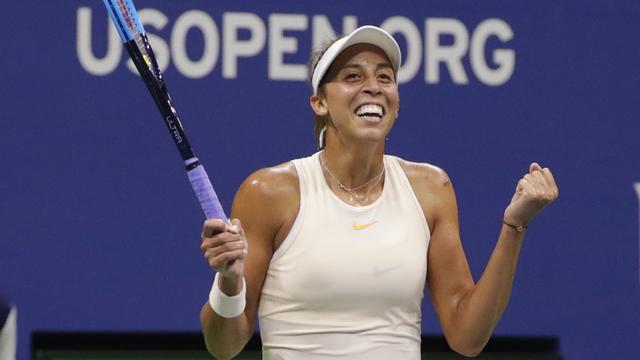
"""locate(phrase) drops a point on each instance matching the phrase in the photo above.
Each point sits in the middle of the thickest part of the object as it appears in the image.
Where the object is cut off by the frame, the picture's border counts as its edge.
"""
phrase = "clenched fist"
(225, 247)
(534, 191)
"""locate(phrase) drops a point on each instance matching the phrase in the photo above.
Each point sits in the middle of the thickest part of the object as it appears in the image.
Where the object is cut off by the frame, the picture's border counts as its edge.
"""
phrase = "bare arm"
(265, 203)
(469, 312)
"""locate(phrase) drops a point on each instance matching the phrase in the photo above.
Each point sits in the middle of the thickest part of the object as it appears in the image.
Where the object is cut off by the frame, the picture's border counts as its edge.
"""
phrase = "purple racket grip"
(204, 191)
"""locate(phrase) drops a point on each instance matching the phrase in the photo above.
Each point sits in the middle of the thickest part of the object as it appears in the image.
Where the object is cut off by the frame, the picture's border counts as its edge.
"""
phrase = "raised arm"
(265, 203)
(469, 312)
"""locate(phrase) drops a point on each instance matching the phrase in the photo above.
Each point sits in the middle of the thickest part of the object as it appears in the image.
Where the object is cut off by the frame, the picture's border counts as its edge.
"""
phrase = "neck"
(353, 164)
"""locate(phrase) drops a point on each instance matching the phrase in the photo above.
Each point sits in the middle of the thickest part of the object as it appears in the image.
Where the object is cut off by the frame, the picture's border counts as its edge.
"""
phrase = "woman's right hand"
(225, 248)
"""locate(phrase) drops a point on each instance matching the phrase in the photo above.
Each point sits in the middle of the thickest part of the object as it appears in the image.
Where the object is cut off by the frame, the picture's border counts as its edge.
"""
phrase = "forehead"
(361, 55)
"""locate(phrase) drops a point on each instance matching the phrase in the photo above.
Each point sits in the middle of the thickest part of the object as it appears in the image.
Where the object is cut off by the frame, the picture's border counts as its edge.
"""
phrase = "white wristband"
(225, 305)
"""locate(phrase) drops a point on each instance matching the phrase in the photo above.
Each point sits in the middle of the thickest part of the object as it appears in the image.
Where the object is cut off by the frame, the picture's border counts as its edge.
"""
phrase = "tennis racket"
(126, 20)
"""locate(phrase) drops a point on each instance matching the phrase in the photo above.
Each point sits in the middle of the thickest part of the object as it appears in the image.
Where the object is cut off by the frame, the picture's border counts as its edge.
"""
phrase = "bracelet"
(518, 228)
(225, 305)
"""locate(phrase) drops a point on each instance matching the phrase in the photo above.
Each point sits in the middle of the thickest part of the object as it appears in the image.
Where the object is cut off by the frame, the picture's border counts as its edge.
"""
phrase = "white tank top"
(347, 282)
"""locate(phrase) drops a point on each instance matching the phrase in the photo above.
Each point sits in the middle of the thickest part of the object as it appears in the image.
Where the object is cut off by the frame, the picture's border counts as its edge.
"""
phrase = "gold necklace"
(351, 190)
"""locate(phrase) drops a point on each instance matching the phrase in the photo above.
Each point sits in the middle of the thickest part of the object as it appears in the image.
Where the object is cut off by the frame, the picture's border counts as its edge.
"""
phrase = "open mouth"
(370, 111)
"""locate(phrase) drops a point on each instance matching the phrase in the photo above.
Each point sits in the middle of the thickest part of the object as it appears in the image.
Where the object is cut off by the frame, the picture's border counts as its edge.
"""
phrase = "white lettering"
(279, 45)
(451, 55)
(174, 129)
(323, 32)
(89, 62)
(443, 46)
(504, 58)
(235, 48)
(195, 69)
(413, 53)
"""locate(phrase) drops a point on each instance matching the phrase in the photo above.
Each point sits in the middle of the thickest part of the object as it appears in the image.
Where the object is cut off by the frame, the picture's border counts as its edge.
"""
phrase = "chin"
(372, 136)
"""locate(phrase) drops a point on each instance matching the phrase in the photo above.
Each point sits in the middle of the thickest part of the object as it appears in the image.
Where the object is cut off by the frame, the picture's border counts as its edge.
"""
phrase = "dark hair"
(320, 121)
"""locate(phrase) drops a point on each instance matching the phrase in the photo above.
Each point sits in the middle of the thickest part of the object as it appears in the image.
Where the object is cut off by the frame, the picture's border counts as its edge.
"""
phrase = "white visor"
(363, 35)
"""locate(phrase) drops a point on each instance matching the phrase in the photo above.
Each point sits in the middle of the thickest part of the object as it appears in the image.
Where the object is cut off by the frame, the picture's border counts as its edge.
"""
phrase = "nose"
(371, 86)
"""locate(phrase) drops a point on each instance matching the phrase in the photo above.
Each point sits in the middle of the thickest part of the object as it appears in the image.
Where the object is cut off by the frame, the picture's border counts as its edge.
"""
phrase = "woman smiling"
(334, 250)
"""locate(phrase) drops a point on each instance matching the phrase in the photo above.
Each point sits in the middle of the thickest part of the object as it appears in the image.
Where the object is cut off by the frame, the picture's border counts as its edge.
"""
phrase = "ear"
(319, 105)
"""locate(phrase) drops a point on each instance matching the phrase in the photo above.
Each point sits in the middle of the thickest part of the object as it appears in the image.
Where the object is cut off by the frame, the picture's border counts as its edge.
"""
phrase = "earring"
(321, 138)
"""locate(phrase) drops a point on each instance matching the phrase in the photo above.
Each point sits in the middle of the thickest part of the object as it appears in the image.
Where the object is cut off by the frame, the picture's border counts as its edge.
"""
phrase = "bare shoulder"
(432, 188)
(270, 186)
(424, 174)
(267, 202)
(271, 181)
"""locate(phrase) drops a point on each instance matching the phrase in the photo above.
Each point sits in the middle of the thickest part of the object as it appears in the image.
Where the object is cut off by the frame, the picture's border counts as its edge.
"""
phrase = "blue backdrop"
(100, 231)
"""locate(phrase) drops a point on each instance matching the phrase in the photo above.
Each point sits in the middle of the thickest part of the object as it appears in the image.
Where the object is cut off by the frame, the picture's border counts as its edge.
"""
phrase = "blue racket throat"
(125, 18)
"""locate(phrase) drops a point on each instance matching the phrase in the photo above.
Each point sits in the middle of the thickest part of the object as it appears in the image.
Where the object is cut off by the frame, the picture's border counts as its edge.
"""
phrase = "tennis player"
(334, 250)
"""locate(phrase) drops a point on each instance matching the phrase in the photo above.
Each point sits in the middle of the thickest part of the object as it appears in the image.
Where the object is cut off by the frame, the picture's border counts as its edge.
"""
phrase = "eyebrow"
(357, 66)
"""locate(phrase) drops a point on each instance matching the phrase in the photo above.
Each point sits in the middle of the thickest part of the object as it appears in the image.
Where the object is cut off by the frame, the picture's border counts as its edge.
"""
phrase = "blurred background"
(99, 230)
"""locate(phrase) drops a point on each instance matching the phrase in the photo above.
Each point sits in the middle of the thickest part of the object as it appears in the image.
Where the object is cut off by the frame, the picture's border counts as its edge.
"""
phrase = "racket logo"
(173, 128)
(147, 60)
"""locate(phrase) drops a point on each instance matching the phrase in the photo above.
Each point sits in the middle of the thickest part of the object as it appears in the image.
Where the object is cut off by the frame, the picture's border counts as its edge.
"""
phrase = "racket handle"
(204, 190)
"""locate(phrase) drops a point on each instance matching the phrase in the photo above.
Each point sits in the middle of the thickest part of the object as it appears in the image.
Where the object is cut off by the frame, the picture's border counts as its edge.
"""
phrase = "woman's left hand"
(534, 192)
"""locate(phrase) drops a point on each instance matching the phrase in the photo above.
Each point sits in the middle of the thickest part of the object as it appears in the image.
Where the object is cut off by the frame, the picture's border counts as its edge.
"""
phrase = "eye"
(385, 77)
(352, 76)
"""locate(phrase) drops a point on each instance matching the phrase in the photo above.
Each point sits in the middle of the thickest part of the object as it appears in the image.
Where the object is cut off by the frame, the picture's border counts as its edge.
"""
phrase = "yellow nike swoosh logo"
(363, 226)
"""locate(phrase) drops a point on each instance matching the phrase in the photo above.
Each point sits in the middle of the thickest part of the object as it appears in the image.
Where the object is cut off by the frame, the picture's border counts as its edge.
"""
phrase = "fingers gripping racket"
(126, 20)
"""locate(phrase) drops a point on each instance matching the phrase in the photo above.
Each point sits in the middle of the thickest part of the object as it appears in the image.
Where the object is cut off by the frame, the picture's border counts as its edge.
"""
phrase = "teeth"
(369, 109)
